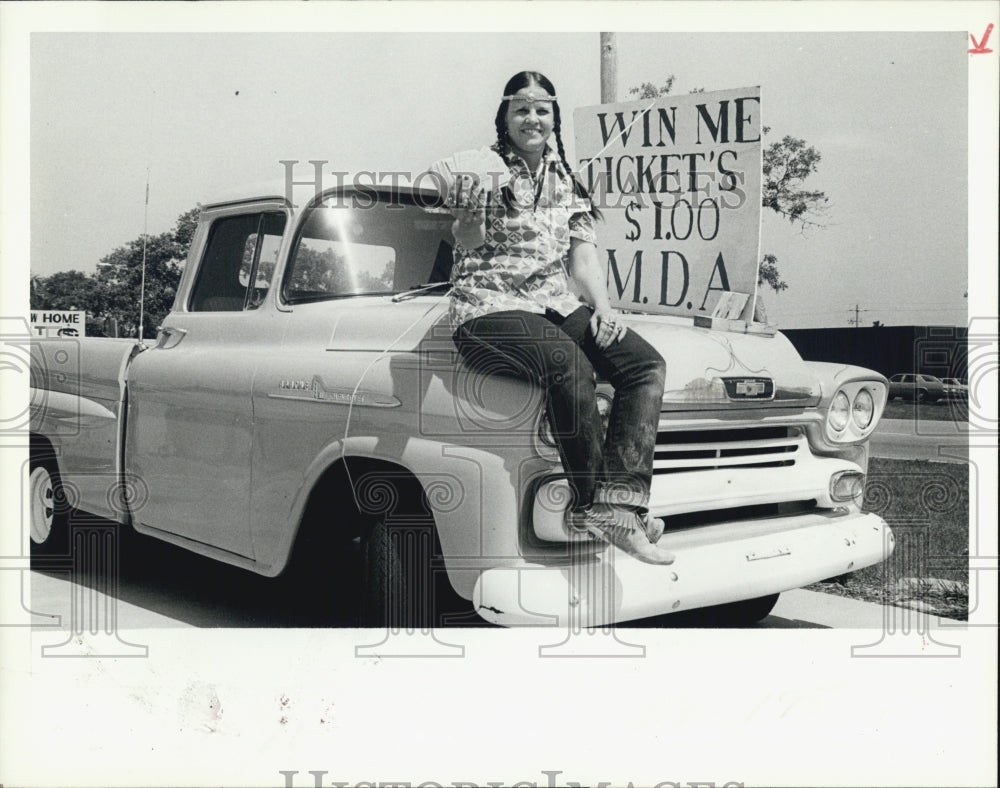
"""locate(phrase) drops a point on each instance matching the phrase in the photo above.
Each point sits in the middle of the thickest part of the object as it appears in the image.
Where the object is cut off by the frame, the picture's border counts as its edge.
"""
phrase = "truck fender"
(451, 479)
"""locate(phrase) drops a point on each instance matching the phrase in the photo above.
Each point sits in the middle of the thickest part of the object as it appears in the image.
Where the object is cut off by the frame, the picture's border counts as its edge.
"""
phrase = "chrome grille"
(706, 450)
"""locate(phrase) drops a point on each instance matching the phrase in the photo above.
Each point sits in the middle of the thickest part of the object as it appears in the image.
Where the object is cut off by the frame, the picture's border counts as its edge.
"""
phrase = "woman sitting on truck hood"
(521, 226)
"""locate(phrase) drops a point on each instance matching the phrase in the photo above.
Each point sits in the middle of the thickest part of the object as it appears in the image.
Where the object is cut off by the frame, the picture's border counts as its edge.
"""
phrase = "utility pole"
(856, 320)
(609, 69)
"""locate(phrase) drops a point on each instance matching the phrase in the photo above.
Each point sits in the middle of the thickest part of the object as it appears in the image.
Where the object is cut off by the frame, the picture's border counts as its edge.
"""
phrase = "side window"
(238, 264)
(260, 256)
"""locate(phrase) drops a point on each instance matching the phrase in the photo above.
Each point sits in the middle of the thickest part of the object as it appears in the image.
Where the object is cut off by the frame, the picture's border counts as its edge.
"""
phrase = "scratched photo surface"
(258, 495)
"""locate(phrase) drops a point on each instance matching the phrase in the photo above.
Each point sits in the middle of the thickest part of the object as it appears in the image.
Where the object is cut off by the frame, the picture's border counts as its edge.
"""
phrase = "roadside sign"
(678, 180)
(58, 323)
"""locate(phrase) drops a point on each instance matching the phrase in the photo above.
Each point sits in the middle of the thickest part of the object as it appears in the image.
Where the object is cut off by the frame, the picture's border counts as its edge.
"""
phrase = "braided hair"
(524, 79)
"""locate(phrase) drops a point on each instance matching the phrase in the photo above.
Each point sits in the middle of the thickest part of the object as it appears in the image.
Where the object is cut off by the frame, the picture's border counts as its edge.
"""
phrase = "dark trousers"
(561, 355)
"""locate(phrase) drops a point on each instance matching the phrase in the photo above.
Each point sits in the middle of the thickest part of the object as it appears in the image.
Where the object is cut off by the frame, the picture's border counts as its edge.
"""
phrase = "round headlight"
(840, 411)
(863, 409)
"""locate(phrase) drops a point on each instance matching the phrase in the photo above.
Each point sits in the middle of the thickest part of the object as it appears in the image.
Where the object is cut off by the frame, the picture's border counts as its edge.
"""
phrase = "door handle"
(169, 336)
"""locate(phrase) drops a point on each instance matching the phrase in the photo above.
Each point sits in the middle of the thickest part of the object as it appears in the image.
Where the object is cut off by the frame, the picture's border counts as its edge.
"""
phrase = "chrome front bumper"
(714, 565)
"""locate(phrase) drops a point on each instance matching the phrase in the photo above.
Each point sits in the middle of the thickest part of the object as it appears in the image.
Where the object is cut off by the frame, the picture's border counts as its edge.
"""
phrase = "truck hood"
(726, 369)
(706, 368)
(378, 324)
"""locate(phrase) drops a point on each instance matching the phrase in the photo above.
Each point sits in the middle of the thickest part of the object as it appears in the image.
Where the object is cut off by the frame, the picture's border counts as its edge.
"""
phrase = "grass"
(927, 506)
(942, 410)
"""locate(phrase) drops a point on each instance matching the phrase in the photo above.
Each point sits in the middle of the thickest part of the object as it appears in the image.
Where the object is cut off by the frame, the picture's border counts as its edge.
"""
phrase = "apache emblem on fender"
(749, 388)
(317, 391)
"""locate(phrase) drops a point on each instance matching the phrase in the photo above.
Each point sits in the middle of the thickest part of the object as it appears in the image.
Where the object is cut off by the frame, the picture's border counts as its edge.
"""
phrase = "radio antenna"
(145, 233)
(145, 226)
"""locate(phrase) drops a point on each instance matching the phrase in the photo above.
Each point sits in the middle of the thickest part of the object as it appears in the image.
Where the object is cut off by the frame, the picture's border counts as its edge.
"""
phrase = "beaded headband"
(529, 97)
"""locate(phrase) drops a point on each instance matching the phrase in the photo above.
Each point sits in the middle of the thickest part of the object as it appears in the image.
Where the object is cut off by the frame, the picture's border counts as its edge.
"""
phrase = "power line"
(924, 309)
(881, 309)
(891, 304)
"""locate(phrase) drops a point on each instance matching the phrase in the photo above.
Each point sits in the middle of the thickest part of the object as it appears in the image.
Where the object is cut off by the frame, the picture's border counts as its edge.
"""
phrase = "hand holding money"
(466, 181)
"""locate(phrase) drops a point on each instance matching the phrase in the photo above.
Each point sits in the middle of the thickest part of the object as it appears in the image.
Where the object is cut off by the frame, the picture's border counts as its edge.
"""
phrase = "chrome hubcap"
(42, 505)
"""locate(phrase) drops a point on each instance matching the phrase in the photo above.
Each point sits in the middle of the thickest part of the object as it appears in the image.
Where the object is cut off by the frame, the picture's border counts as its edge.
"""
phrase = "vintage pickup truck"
(303, 410)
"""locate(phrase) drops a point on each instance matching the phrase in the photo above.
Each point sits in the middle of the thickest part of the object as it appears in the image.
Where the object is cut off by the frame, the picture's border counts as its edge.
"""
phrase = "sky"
(208, 111)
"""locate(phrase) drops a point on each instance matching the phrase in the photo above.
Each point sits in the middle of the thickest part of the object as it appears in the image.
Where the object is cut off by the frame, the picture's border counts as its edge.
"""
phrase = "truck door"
(190, 411)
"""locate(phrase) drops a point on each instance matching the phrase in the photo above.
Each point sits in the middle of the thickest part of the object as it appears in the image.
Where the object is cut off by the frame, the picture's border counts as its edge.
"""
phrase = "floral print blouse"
(523, 262)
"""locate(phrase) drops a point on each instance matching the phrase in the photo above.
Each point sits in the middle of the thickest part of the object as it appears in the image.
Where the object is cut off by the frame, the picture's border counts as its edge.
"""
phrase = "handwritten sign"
(678, 180)
(58, 323)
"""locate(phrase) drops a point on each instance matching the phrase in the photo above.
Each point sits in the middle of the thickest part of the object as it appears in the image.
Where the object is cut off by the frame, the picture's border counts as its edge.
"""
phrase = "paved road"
(161, 587)
(907, 439)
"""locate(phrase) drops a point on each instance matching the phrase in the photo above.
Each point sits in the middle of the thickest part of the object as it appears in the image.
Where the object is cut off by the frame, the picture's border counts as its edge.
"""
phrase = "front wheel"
(404, 584)
(742, 613)
(389, 589)
(379, 572)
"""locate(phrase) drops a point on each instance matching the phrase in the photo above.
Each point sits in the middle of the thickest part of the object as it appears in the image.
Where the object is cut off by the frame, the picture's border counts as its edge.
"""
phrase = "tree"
(63, 290)
(185, 226)
(37, 294)
(785, 165)
(378, 284)
(69, 290)
(647, 90)
(767, 274)
(320, 271)
(114, 291)
(119, 283)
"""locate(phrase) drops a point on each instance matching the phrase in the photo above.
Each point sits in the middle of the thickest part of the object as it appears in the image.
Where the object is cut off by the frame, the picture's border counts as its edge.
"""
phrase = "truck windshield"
(367, 245)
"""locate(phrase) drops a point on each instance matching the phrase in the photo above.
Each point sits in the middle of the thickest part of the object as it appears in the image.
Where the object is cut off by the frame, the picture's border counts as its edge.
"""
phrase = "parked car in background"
(955, 389)
(919, 388)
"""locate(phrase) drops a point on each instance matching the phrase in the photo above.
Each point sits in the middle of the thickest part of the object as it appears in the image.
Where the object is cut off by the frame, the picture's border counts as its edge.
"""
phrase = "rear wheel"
(48, 508)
